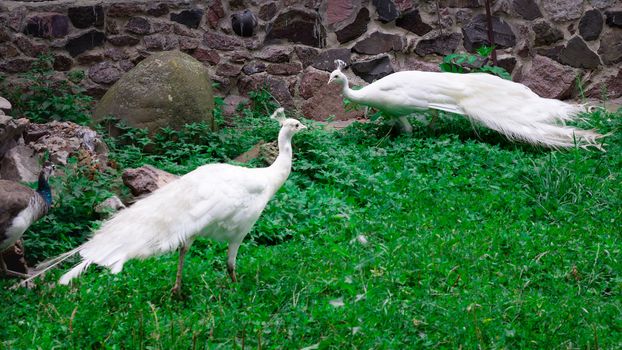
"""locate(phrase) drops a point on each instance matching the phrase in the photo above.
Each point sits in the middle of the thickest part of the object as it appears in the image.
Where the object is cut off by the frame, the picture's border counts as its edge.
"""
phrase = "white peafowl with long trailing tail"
(219, 201)
(509, 108)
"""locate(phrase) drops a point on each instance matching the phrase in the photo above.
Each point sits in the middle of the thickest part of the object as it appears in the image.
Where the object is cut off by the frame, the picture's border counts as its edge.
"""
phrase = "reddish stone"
(215, 12)
(326, 102)
(7, 51)
(90, 58)
(548, 78)
(311, 82)
(228, 70)
(240, 57)
(186, 43)
(326, 60)
(123, 40)
(160, 42)
(62, 63)
(221, 41)
(28, 47)
(116, 54)
(340, 10)
(17, 65)
(210, 56)
(414, 63)
(47, 25)
(379, 42)
(275, 54)
(268, 11)
(276, 86)
(124, 9)
(284, 68)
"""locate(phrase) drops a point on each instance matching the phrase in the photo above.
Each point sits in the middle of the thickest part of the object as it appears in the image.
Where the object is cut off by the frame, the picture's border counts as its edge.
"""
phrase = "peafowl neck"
(43, 189)
(352, 95)
(283, 163)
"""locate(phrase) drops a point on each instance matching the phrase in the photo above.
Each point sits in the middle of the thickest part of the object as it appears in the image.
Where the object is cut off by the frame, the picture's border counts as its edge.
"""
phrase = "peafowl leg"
(405, 125)
(7, 272)
(180, 266)
(232, 253)
(434, 118)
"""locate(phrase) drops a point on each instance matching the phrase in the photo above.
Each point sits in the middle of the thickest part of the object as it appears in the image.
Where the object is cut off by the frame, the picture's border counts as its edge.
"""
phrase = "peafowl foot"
(176, 290)
(231, 271)
(9, 273)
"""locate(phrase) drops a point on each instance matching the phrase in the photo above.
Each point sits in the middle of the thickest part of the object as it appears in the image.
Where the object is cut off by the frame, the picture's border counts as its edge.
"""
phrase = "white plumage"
(219, 201)
(502, 105)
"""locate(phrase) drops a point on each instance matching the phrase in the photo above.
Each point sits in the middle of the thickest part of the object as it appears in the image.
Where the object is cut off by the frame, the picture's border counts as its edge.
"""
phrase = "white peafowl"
(20, 207)
(220, 201)
(502, 105)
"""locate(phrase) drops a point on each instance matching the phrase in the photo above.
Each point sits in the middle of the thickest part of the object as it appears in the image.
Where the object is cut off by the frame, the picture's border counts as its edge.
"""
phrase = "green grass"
(473, 242)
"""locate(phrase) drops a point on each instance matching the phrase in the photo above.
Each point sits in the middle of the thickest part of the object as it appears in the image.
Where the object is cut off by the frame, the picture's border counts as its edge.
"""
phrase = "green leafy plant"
(469, 63)
(40, 97)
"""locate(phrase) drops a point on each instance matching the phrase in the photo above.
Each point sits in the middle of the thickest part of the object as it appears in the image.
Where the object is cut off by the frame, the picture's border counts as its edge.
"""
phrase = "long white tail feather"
(517, 112)
(49, 264)
(74, 272)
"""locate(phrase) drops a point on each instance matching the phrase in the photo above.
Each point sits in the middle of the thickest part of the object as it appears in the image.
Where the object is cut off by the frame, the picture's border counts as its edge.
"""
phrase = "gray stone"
(577, 54)
(563, 10)
(64, 139)
(123, 40)
(374, 69)
(461, 3)
(232, 103)
(602, 4)
(298, 26)
(306, 55)
(545, 33)
(104, 73)
(528, 9)
(440, 44)
(548, 78)
(157, 10)
(614, 18)
(161, 42)
(275, 54)
(20, 164)
(412, 22)
(188, 44)
(591, 25)
(476, 33)
(240, 57)
(507, 62)
(254, 68)
(10, 131)
(326, 60)
(611, 47)
(138, 25)
(354, 29)
(17, 65)
(284, 68)
(109, 205)
(167, 89)
(607, 87)
(116, 54)
(552, 52)
(464, 16)
(125, 9)
(386, 9)
(379, 42)
(146, 179)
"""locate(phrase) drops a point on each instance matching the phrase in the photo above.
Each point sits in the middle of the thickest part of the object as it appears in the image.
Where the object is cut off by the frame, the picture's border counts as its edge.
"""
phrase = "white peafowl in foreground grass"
(502, 105)
(219, 201)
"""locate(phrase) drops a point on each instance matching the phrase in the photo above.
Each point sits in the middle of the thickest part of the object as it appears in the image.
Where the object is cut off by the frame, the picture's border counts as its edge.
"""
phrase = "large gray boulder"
(167, 89)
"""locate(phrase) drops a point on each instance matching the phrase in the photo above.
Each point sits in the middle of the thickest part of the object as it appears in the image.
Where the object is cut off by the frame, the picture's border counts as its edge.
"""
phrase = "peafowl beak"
(330, 80)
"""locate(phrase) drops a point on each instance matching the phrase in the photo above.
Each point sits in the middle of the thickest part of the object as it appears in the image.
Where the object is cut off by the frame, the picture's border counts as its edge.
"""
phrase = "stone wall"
(290, 45)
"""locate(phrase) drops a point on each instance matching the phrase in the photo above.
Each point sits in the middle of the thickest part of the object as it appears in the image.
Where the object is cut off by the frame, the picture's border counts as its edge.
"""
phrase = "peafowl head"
(289, 125)
(337, 75)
